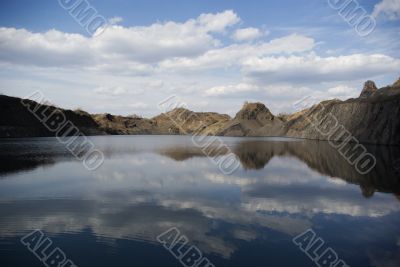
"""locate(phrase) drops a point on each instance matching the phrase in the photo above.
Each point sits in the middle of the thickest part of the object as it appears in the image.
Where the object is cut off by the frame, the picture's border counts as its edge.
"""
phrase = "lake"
(149, 184)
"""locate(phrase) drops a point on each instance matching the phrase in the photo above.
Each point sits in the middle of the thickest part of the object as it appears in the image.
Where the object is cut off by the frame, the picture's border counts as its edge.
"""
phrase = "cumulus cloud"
(144, 44)
(314, 69)
(192, 58)
(247, 34)
(153, 43)
(388, 8)
(218, 22)
(235, 54)
(52, 48)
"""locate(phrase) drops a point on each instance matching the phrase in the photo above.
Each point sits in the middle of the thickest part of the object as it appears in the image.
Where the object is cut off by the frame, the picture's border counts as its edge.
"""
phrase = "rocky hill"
(17, 121)
(254, 119)
(371, 118)
(183, 121)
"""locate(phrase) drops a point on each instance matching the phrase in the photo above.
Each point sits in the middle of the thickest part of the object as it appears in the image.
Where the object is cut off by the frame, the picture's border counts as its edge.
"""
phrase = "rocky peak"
(369, 89)
(254, 111)
(397, 84)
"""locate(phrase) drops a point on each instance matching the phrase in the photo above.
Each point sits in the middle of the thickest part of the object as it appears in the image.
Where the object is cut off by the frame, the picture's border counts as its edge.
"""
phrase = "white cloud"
(389, 8)
(218, 22)
(193, 59)
(144, 44)
(247, 34)
(52, 48)
(153, 43)
(235, 54)
(231, 89)
(314, 69)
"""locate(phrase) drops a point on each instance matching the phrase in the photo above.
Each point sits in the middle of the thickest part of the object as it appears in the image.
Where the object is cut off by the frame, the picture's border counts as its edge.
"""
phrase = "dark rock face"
(370, 119)
(369, 89)
(17, 121)
(373, 120)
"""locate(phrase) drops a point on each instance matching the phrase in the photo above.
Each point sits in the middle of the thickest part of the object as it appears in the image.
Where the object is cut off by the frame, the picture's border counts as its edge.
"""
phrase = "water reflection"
(148, 184)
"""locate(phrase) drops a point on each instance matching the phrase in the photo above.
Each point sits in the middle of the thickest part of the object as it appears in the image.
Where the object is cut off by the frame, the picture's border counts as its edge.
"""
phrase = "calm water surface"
(148, 184)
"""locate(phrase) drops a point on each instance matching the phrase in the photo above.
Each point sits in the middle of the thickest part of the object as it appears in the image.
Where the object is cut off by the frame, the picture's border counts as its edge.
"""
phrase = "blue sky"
(214, 55)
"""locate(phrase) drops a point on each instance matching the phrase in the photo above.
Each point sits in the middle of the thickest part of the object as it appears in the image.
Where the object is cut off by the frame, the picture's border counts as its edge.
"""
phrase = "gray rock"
(369, 89)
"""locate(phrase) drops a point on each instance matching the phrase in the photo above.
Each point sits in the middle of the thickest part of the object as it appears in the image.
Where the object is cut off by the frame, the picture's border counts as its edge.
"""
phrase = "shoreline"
(180, 135)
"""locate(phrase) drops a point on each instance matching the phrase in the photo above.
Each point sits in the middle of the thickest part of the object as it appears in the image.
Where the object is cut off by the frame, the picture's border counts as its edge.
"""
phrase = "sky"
(212, 55)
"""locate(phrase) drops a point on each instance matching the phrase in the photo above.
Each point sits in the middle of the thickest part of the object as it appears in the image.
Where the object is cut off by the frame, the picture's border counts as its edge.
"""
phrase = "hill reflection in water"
(148, 184)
